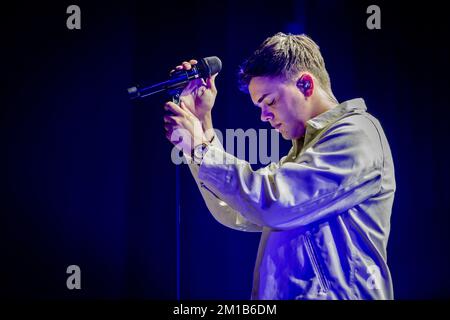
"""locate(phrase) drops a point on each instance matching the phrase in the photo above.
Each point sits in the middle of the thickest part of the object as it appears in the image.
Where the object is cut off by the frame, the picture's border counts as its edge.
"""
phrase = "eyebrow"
(261, 99)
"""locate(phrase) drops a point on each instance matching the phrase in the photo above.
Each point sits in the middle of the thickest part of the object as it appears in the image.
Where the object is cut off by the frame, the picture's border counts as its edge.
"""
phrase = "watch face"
(200, 150)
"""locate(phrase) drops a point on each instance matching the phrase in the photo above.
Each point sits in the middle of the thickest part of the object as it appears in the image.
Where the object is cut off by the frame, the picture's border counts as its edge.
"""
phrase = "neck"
(323, 104)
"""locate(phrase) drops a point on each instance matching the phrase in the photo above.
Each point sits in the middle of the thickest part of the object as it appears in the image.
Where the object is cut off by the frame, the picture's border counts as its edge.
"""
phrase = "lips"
(277, 126)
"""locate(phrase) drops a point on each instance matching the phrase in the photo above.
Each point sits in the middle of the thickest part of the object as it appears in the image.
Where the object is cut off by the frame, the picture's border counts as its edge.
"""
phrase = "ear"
(306, 84)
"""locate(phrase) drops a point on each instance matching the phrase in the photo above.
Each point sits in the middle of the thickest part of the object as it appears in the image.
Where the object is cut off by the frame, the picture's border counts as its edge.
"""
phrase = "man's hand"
(182, 127)
(199, 96)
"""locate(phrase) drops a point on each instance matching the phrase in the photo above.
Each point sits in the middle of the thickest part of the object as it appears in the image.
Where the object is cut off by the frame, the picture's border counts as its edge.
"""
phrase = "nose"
(266, 115)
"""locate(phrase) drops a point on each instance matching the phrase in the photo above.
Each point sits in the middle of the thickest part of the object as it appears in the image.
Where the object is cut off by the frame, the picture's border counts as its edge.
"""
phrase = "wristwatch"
(199, 152)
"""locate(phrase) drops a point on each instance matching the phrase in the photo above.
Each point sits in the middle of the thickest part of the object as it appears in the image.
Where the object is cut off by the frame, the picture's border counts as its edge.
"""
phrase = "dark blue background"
(87, 177)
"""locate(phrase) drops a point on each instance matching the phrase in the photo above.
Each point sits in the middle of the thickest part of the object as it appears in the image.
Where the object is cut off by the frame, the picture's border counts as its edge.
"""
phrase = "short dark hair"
(285, 55)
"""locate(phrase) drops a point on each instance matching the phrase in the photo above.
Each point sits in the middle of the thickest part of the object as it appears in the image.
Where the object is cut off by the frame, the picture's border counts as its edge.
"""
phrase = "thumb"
(211, 82)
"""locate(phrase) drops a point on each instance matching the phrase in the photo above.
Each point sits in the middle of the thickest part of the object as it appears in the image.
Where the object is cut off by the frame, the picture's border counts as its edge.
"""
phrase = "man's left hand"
(182, 127)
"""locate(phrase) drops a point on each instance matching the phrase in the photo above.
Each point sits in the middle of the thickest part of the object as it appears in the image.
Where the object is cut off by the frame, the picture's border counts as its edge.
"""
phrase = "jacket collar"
(330, 116)
(314, 125)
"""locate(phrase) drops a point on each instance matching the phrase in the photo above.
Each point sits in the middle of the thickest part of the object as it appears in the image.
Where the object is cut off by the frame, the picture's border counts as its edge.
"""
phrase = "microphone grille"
(210, 66)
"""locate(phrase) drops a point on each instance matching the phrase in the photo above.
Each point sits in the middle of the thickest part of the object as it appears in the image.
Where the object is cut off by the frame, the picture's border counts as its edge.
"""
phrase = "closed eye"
(271, 103)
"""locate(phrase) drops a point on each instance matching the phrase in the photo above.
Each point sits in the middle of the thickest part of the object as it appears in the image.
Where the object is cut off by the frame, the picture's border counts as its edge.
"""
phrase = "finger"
(174, 140)
(168, 136)
(211, 82)
(167, 119)
(193, 61)
(192, 86)
(185, 108)
(170, 127)
(186, 65)
(172, 120)
(201, 90)
(174, 108)
(170, 130)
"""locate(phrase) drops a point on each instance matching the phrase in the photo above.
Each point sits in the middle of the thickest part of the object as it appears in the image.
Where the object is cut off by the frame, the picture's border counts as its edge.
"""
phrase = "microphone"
(205, 68)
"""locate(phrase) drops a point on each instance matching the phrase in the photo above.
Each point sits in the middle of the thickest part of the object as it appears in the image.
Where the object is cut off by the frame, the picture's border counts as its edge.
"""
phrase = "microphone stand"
(176, 95)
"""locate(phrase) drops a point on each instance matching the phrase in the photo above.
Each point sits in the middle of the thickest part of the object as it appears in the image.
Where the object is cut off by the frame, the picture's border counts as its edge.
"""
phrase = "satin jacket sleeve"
(219, 209)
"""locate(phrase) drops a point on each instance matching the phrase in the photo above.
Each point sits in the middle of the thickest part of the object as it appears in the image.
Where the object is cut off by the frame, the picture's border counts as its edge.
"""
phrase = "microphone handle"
(178, 80)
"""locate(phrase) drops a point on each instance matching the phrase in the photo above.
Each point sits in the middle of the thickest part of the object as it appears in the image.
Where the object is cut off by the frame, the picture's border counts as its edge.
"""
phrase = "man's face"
(282, 104)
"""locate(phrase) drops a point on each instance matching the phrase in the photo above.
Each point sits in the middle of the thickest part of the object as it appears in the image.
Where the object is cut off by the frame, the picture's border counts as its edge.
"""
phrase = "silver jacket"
(323, 210)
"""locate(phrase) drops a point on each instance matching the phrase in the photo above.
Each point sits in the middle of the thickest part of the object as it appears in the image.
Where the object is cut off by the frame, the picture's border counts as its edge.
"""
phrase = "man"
(324, 209)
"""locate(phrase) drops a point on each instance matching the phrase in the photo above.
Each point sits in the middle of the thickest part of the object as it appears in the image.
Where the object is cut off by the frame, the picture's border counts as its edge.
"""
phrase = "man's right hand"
(199, 95)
